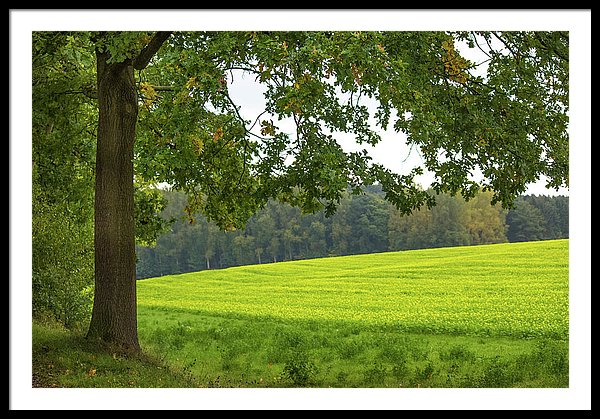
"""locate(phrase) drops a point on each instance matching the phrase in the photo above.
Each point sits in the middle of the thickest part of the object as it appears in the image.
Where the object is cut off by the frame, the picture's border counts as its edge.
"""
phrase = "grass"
(64, 358)
(480, 316)
(237, 351)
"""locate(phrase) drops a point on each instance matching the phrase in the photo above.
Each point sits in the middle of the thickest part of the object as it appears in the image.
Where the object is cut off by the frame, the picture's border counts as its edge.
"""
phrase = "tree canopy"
(509, 123)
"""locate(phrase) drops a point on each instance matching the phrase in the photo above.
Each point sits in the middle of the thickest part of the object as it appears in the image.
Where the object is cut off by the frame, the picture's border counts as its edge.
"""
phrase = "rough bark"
(114, 315)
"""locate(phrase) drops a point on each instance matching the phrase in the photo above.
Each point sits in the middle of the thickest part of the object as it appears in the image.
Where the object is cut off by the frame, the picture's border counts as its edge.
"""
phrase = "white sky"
(23, 22)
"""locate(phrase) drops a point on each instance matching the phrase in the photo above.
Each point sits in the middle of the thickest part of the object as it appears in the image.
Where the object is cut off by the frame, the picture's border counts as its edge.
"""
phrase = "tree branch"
(256, 120)
(163, 88)
(146, 54)
(505, 44)
(90, 93)
(479, 46)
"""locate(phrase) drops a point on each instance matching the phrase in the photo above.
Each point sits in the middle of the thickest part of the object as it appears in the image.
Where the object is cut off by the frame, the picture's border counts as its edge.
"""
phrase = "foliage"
(525, 222)
(537, 218)
(149, 203)
(61, 286)
(62, 180)
(299, 370)
(452, 222)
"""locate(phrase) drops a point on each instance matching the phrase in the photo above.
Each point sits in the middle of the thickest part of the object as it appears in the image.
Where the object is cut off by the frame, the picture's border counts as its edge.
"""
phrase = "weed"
(349, 348)
(283, 343)
(341, 378)
(496, 374)
(395, 354)
(188, 368)
(457, 353)
(400, 370)
(553, 356)
(299, 370)
(418, 352)
(424, 374)
(290, 339)
(452, 375)
(375, 376)
(228, 352)
(62, 358)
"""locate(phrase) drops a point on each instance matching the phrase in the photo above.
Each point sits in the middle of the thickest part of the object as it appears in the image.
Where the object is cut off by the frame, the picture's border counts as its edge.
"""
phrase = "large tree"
(165, 115)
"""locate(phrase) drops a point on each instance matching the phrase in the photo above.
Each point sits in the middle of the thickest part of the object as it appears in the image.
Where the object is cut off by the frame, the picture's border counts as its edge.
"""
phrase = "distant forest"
(362, 224)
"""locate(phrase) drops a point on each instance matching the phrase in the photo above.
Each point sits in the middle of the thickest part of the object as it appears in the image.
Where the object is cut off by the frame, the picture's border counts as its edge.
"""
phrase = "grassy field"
(478, 316)
(64, 358)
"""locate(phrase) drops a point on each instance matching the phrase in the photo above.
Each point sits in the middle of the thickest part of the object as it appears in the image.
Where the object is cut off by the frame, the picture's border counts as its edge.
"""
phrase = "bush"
(62, 263)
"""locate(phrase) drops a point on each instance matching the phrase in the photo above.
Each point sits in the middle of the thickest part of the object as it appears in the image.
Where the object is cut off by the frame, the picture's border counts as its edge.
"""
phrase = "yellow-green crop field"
(518, 289)
(518, 292)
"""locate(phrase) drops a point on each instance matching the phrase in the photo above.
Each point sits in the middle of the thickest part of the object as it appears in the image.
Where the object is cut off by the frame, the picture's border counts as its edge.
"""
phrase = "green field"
(477, 316)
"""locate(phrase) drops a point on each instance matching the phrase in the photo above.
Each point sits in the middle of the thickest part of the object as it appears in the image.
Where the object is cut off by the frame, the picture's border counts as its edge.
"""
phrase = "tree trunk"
(114, 315)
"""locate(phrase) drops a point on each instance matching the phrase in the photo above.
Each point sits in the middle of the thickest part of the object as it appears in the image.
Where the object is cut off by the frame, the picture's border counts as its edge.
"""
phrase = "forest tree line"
(363, 223)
